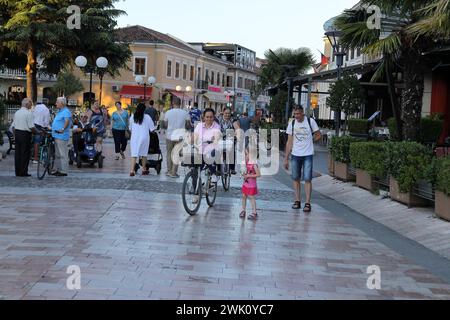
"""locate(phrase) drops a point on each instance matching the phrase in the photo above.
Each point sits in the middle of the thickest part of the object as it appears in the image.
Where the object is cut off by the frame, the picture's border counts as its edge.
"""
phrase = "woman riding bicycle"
(230, 129)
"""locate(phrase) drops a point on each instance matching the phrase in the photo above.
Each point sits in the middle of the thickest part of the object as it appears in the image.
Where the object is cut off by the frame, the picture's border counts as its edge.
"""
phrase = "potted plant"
(369, 160)
(442, 207)
(340, 151)
(406, 163)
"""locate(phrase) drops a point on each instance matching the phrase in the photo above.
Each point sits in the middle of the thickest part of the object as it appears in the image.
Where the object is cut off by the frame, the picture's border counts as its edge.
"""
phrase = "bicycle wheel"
(226, 178)
(42, 166)
(192, 192)
(211, 191)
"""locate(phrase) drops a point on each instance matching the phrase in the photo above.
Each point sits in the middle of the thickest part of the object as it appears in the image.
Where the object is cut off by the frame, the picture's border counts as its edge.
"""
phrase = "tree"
(277, 105)
(346, 95)
(67, 84)
(38, 29)
(401, 43)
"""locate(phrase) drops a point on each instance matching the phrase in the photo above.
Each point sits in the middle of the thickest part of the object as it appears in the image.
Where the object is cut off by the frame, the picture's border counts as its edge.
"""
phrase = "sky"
(258, 25)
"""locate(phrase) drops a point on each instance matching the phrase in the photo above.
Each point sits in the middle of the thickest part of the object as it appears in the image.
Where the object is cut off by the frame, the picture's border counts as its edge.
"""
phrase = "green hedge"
(407, 162)
(340, 148)
(358, 126)
(430, 129)
(370, 157)
(443, 175)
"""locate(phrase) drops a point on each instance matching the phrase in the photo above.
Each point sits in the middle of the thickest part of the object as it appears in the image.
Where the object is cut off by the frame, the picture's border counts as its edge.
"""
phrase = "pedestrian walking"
(23, 127)
(152, 112)
(196, 116)
(230, 131)
(249, 187)
(303, 132)
(61, 133)
(140, 125)
(120, 120)
(245, 122)
(176, 121)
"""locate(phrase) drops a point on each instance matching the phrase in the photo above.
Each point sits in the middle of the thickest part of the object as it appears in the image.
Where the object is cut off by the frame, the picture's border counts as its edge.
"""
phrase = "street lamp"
(180, 89)
(100, 68)
(150, 82)
(334, 36)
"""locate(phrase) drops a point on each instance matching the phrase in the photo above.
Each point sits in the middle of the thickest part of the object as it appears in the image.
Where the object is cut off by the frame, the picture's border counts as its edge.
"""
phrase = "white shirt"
(41, 115)
(303, 137)
(176, 120)
(23, 120)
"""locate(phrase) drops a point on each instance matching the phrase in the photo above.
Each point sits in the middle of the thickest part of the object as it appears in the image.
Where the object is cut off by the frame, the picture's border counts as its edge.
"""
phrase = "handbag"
(127, 131)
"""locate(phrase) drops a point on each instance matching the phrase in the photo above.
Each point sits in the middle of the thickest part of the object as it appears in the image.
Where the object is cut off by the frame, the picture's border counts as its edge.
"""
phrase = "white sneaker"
(35, 162)
(117, 157)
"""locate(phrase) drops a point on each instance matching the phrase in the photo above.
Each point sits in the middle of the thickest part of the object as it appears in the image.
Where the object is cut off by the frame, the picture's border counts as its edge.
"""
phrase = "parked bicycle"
(46, 155)
(194, 188)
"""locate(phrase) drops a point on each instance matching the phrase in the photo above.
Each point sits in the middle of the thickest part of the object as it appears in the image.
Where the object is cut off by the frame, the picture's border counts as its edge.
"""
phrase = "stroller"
(153, 150)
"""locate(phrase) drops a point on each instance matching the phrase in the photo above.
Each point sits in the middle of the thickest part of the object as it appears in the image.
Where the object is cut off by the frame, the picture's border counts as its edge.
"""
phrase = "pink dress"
(249, 188)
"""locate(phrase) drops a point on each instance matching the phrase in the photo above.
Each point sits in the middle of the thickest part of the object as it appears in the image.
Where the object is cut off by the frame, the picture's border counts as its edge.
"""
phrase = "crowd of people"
(206, 130)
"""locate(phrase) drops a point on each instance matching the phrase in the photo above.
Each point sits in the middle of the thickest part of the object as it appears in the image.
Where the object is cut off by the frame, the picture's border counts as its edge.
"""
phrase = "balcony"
(19, 74)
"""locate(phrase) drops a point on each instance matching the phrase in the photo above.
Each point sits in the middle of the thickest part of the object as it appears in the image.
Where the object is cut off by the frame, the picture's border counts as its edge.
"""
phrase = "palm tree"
(397, 47)
(436, 21)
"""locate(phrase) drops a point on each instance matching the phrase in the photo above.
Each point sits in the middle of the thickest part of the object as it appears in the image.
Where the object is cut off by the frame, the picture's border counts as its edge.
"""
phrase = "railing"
(9, 114)
(425, 190)
(20, 74)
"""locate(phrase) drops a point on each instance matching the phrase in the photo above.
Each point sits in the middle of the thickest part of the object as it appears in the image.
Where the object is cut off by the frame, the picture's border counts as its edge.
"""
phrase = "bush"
(370, 157)
(407, 162)
(430, 129)
(443, 175)
(358, 126)
(340, 148)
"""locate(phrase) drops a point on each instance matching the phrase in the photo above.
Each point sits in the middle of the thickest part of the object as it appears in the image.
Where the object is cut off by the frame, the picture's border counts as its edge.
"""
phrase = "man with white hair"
(23, 126)
(61, 133)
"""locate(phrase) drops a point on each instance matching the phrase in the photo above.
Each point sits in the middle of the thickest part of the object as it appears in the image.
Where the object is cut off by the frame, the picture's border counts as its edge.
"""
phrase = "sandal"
(297, 205)
(132, 174)
(243, 214)
(253, 216)
(307, 208)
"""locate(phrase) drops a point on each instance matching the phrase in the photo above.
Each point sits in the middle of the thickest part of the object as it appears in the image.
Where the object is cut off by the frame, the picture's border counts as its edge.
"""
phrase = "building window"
(199, 73)
(223, 80)
(218, 79)
(230, 81)
(207, 75)
(212, 77)
(191, 74)
(353, 54)
(169, 68)
(240, 82)
(177, 70)
(185, 71)
(139, 66)
(358, 52)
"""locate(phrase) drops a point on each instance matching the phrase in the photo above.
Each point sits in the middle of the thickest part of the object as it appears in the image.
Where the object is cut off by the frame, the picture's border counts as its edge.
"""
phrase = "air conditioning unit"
(115, 88)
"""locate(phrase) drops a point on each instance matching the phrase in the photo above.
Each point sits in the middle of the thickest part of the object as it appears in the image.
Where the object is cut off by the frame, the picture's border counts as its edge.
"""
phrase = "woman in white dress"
(140, 125)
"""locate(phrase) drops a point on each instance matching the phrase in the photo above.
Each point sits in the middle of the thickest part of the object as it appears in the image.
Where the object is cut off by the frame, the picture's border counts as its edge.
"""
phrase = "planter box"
(330, 164)
(442, 208)
(365, 180)
(342, 173)
(406, 198)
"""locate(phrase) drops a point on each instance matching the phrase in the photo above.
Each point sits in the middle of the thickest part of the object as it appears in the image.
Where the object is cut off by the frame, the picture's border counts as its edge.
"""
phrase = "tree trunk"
(412, 96)
(31, 72)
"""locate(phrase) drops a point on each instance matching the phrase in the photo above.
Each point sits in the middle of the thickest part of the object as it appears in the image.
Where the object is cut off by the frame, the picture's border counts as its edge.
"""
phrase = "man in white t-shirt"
(176, 121)
(303, 132)
(41, 117)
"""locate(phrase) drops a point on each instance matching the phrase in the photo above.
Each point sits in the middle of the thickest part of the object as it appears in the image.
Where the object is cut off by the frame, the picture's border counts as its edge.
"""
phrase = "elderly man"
(61, 133)
(23, 126)
(41, 116)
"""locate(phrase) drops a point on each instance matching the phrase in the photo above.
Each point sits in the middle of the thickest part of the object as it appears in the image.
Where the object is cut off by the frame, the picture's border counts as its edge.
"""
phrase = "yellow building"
(200, 77)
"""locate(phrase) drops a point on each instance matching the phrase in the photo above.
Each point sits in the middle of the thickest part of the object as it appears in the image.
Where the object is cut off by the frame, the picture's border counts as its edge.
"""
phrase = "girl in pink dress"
(250, 188)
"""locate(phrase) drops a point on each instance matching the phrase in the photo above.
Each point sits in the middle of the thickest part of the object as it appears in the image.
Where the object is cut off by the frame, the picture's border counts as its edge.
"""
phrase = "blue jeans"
(302, 168)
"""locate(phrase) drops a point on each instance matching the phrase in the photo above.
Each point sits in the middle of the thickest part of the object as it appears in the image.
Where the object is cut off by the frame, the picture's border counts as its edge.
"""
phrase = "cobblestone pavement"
(132, 240)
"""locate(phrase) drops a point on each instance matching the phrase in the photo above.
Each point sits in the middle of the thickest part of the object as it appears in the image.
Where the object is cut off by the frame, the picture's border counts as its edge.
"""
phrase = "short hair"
(152, 102)
(209, 110)
(298, 107)
(195, 104)
(25, 102)
(63, 100)
(118, 103)
(245, 114)
(227, 109)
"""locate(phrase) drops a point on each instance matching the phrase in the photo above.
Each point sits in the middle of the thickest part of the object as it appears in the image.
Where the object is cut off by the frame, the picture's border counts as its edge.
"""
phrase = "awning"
(216, 97)
(135, 92)
(179, 95)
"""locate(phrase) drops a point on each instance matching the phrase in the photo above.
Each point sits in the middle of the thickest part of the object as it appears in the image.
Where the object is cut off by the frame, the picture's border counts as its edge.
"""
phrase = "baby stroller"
(153, 150)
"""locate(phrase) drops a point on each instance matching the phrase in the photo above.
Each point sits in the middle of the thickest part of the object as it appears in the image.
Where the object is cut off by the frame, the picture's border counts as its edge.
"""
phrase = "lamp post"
(334, 37)
(180, 89)
(149, 83)
(100, 67)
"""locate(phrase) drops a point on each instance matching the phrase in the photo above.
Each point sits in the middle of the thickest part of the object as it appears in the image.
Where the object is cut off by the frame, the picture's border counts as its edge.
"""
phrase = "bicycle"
(227, 147)
(46, 155)
(194, 189)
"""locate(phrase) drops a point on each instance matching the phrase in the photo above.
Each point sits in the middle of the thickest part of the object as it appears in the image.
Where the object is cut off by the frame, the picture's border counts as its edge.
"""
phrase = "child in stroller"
(154, 158)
